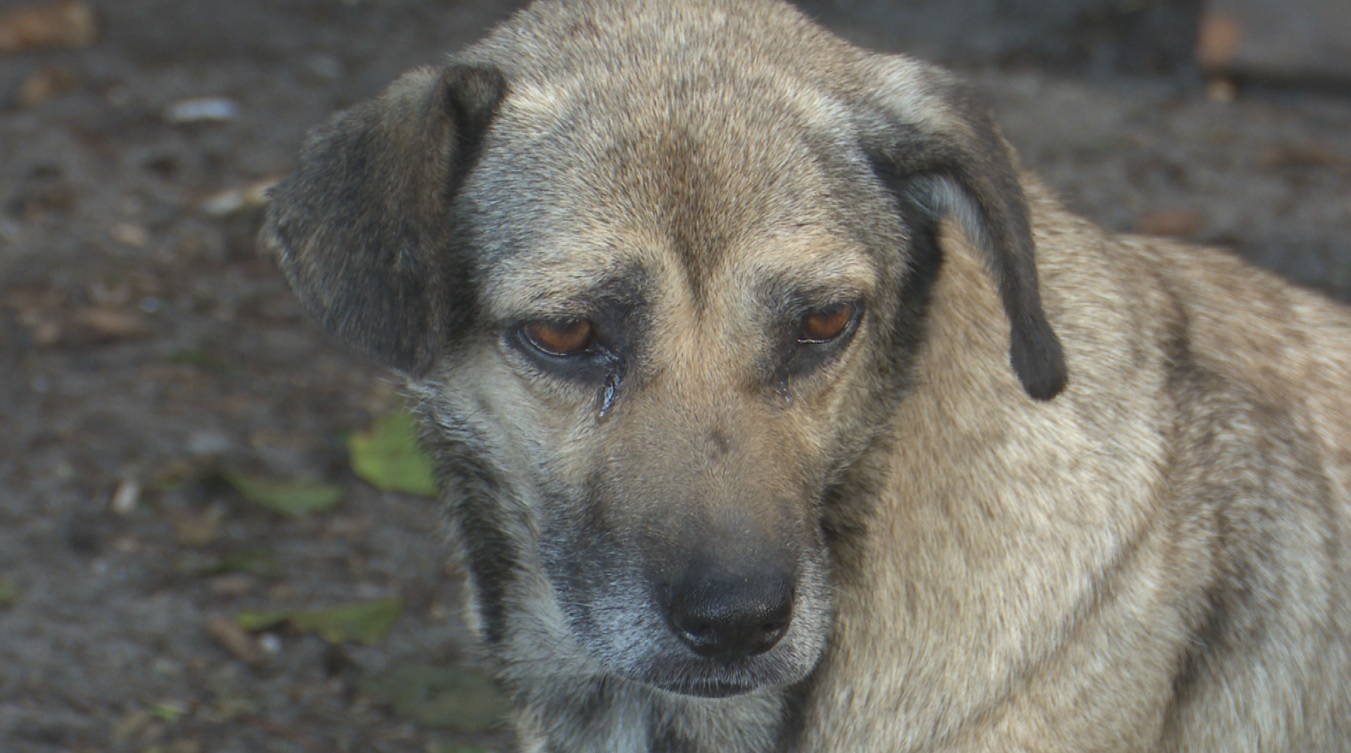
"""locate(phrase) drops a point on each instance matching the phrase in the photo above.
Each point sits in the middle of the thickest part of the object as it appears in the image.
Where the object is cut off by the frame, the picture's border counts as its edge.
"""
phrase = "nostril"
(731, 621)
(700, 636)
(774, 631)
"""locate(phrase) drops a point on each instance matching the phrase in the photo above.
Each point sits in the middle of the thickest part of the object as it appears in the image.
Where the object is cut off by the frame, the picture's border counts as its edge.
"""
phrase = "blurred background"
(212, 533)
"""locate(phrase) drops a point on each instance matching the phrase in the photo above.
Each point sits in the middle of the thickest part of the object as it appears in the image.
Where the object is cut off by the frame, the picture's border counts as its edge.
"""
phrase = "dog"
(778, 409)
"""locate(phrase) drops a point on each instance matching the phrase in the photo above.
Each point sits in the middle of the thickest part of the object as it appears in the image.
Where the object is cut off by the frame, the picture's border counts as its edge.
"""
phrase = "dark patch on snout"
(719, 444)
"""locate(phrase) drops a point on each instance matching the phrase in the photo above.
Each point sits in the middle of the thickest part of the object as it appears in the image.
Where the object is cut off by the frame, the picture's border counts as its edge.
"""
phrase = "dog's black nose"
(729, 617)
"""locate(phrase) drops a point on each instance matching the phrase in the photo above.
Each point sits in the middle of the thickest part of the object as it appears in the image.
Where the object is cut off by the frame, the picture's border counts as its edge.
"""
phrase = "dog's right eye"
(827, 325)
(573, 337)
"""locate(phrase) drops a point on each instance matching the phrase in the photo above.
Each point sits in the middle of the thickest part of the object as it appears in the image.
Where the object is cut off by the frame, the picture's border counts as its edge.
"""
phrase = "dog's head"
(659, 271)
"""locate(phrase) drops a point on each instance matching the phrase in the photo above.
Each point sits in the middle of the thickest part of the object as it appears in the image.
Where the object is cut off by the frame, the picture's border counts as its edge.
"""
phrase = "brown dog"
(748, 392)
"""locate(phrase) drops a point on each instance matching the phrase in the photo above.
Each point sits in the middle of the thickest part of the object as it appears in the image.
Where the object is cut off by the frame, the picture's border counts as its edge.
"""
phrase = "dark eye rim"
(855, 309)
(588, 366)
(803, 358)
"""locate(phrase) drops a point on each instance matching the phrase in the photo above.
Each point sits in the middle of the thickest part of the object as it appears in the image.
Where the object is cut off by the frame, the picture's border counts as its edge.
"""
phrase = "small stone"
(126, 497)
(236, 200)
(324, 67)
(269, 643)
(207, 442)
(1221, 90)
(202, 110)
(131, 234)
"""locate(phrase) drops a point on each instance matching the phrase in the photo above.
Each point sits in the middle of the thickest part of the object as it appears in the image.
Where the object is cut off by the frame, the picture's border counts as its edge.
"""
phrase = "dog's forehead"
(685, 179)
(680, 214)
(641, 263)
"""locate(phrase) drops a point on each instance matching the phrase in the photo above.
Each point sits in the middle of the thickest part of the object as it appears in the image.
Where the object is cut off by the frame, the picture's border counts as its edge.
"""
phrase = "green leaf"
(169, 712)
(9, 592)
(289, 498)
(363, 623)
(454, 698)
(198, 358)
(261, 564)
(388, 456)
(254, 621)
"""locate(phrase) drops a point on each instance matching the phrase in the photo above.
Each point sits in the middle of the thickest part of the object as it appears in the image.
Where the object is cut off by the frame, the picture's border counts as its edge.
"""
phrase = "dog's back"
(1261, 375)
(1155, 560)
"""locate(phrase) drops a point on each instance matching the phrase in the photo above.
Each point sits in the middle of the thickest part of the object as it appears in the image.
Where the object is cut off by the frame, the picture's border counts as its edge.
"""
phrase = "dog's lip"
(709, 688)
(694, 677)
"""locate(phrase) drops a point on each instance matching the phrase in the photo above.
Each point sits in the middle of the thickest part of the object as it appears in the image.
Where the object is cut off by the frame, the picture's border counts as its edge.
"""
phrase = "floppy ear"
(938, 148)
(362, 228)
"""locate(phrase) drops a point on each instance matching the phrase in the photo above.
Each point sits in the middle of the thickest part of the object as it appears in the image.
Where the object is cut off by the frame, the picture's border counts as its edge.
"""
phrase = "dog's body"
(711, 317)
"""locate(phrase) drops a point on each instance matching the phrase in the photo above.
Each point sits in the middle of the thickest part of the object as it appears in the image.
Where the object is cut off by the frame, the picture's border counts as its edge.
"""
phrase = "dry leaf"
(1301, 156)
(95, 325)
(90, 325)
(66, 23)
(232, 585)
(197, 531)
(235, 639)
(1218, 41)
(34, 296)
(45, 83)
(1174, 222)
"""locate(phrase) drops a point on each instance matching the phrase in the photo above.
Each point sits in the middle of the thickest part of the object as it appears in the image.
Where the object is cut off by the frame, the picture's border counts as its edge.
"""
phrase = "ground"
(148, 351)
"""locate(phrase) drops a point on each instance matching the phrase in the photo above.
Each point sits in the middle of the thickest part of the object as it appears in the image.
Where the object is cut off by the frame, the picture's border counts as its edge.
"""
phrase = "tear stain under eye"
(609, 392)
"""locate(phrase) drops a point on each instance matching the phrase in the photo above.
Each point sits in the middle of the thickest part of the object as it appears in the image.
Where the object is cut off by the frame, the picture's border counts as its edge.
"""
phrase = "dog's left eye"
(827, 324)
(573, 337)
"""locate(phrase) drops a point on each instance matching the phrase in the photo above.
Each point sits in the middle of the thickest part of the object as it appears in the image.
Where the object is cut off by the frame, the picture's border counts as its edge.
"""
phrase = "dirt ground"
(145, 344)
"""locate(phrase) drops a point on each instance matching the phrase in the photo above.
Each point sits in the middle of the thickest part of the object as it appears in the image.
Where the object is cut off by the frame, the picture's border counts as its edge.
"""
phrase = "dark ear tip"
(473, 91)
(481, 78)
(1039, 361)
(1045, 387)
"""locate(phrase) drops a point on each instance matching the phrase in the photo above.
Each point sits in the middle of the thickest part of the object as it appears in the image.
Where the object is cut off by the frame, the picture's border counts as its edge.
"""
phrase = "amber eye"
(826, 324)
(565, 338)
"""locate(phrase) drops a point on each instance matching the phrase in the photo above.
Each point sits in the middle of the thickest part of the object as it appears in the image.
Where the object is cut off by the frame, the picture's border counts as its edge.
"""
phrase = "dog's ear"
(938, 149)
(362, 228)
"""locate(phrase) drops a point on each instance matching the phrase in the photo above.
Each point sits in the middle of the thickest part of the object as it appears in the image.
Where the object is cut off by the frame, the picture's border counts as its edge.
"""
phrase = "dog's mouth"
(642, 649)
(708, 688)
(704, 678)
